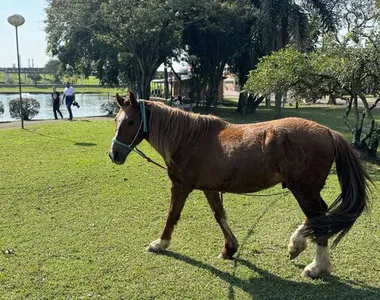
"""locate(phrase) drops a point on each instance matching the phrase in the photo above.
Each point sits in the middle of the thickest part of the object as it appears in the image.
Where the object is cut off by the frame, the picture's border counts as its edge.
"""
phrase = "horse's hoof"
(294, 254)
(225, 256)
(157, 246)
(295, 249)
(312, 271)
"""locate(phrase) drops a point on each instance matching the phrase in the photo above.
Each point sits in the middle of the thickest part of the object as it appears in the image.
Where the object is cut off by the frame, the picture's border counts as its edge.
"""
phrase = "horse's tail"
(354, 182)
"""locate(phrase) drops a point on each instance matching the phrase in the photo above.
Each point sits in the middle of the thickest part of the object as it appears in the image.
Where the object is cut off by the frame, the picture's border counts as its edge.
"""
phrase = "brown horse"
(209, 154)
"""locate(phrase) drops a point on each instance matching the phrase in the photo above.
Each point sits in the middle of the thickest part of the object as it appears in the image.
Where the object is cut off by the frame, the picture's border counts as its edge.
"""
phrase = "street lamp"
(18, 20)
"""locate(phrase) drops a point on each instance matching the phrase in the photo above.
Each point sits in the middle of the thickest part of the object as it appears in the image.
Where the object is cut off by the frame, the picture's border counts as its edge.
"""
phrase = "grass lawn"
(49, 78)
(74, 225)
(78, 89)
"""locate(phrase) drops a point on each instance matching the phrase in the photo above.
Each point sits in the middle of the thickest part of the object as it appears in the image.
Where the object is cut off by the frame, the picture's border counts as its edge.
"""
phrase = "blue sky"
(32, 37)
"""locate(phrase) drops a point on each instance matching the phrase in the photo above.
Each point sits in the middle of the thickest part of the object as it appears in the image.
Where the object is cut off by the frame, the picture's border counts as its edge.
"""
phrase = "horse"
(206, 153)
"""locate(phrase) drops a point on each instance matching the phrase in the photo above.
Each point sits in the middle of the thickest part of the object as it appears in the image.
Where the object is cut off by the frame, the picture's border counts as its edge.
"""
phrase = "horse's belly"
(243, 178)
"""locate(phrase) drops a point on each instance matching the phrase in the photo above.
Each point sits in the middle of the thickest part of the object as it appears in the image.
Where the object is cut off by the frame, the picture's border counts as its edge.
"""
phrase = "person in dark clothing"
(56, 101)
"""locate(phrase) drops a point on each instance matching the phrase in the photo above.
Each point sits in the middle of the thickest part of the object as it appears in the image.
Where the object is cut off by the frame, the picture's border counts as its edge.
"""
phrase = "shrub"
(110, 107)
(1, 108)
(30, 108)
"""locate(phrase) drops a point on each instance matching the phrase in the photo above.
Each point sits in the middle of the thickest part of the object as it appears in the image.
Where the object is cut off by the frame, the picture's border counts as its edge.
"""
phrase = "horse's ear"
(132, 99)
(120, 100)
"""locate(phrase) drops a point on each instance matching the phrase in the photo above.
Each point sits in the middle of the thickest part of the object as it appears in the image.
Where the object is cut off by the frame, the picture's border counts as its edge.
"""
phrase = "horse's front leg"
(230, 244)
(179, 195)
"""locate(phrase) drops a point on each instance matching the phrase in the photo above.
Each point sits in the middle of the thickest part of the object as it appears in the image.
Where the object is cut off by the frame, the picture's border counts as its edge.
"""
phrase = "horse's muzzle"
(117, 157)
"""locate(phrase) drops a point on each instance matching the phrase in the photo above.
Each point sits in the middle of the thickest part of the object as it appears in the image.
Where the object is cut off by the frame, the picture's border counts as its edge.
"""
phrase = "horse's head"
(128, 128)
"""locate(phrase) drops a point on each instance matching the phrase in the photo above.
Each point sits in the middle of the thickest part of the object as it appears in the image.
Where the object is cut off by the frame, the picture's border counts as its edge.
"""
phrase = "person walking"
(69, 96)
(56, 101)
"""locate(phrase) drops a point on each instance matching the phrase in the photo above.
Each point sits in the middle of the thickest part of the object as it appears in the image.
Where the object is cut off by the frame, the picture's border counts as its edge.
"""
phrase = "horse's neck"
(171, 132)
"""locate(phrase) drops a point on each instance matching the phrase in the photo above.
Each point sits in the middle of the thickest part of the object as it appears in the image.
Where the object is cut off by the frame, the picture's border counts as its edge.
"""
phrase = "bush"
(30, 108)
(110, 107)
(1, 108)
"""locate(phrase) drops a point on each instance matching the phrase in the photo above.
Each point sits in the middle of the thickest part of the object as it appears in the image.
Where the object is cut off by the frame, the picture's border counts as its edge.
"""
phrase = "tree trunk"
(166, 83)
(267, 101)
(242, 98)
(374, 141)
(255, 104)
(332, 99)
(144, 89)
(284, 99)
(357, 130)
(249, 103)
(277, 105)
(213, 87)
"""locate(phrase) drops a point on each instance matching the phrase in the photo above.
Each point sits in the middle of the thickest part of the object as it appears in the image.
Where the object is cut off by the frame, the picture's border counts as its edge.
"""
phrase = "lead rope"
(143, 155)
(145, 129)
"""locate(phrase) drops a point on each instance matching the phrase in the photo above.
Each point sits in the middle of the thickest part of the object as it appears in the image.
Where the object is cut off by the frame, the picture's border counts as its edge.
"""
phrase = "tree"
(212, 34)
(30, 107)
(342, 69)
(282, 71)
(276, 25)
(52, 66)
(358, 55)
(122, 42)
(35, 77)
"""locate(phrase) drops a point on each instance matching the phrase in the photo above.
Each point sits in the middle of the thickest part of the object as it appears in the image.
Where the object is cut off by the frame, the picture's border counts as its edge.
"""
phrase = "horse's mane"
(171, 127)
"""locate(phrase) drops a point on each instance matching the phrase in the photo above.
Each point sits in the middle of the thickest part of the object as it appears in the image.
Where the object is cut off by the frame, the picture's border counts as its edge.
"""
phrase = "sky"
(32, 37)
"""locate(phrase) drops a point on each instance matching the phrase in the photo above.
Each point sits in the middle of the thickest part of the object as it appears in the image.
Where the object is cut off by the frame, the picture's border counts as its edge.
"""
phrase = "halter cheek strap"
(144, 125)
(130, 146)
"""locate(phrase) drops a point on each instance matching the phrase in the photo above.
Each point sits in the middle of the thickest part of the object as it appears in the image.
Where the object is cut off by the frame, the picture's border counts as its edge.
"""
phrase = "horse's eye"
(131, 122)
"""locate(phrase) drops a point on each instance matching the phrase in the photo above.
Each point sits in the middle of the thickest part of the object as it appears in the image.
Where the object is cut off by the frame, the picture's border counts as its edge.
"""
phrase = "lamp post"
(16, 21)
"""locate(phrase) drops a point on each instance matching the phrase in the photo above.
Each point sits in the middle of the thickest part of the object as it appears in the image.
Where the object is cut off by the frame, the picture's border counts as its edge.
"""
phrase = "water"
(89, 106)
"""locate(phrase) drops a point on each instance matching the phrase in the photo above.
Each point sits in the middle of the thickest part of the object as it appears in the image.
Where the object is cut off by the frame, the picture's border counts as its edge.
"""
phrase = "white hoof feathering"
(321, 264)
(158, 245)
(297, 242)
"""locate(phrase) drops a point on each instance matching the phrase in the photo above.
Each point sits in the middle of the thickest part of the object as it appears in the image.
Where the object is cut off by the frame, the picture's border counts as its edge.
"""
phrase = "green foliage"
(278, 72)
(348, 67)
(74, 225)
(212, 34)
(35, 77)
(30, 108)
(119, 41)
(53, 67)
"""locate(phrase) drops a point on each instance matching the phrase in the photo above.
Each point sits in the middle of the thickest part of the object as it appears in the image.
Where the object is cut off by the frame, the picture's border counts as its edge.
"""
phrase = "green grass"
(45, 89)
(49, 79)
(74, 225)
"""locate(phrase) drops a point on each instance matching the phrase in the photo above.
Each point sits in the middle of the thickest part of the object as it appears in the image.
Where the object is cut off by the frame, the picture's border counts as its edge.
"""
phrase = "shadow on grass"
(81, 144)
(265, 285)
(269, 286)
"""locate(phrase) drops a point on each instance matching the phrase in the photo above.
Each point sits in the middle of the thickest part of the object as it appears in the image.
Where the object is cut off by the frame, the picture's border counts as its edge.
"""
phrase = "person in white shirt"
(69, 96)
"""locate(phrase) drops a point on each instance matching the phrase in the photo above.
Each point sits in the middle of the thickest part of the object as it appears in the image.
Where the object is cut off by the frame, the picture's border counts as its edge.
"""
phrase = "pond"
(89, 106)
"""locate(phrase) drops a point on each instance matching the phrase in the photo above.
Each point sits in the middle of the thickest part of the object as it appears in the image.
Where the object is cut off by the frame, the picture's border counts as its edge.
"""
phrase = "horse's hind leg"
(179, 195)
(321, 264)
(313, 206)
(230, 244)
